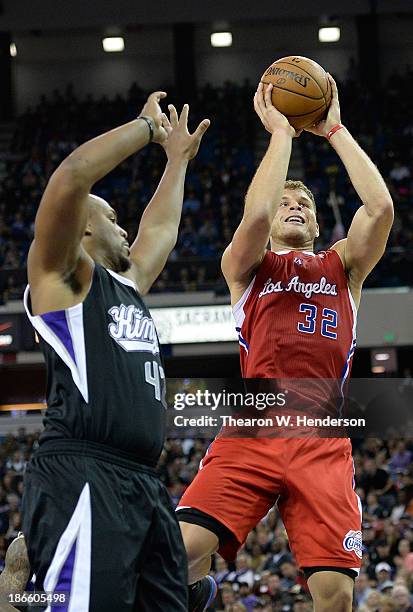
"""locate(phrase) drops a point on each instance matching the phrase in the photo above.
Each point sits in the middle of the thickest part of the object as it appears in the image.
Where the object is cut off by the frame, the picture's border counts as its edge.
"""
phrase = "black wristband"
(149, 122)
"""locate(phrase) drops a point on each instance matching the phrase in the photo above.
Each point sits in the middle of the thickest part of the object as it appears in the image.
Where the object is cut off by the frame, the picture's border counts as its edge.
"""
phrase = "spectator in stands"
(375, 479)
(404, 558)
(248, 599)
(388, 540)
(217, 181)
(401, 458)
(372, 603)
(400, 506)
(221, 570)
(302, 603)
(15, 525)
(279, 553)
(373, 510)
(191, 203)
(16, 464)
(275, 589)
(387, 604)
(289, 574)
(402, 599)
(362, 588)
(243, 571)
(383, 574)
(382, 553)
(400, 173)
(227, 597)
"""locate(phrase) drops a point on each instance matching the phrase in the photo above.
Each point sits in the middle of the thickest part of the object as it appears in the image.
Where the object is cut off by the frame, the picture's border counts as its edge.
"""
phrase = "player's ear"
(317, 230)
(88, 230)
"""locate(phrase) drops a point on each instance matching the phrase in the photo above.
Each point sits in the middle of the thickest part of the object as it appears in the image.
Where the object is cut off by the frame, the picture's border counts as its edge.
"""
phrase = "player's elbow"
(384, 208)
(70, 176)
(258, 224)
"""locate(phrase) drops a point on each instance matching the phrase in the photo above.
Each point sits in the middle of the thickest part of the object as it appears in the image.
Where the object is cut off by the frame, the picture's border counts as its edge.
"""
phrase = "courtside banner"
(187, 325)
(366, 407)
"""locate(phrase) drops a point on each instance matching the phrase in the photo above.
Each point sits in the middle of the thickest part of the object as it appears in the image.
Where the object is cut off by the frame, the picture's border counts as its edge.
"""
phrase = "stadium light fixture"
(13, 49)
(329, 34)
(383, 360)
(113, 44)
(221, 39)
(382, 356)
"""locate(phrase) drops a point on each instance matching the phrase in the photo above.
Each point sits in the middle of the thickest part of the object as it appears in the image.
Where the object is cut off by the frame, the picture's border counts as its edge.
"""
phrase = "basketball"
(301, 90)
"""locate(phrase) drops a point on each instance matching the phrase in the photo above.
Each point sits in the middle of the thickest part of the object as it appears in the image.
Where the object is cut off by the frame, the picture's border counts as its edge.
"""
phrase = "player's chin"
(294, 231)
(123, 264)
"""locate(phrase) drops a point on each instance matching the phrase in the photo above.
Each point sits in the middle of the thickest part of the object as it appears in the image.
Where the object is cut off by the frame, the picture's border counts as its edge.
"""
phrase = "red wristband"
(334, 130)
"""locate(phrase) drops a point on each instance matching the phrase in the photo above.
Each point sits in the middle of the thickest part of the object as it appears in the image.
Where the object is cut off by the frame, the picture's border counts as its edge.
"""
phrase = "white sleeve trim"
(237, 308)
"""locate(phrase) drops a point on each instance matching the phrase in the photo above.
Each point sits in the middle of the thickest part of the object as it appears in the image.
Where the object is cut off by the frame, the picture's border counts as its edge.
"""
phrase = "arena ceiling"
(67, 14)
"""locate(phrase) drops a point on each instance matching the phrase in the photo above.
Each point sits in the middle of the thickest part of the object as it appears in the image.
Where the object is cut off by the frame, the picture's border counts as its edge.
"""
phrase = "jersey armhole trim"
(353, 304)
(124, 280)
(238, 305)
(71, 351)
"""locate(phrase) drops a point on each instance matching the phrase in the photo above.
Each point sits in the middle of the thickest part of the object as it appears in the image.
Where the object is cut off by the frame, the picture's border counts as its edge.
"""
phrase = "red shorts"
(310, 479)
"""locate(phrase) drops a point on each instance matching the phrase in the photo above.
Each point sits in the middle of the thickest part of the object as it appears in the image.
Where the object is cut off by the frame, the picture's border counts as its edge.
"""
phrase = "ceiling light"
(329, 34)
(221, 39)
(113, 44)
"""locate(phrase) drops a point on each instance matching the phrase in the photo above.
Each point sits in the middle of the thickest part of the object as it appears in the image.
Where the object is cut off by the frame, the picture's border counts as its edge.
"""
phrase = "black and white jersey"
(105, 381)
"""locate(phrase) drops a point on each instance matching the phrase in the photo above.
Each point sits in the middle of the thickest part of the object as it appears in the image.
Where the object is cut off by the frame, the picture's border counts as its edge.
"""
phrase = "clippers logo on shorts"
(353, 543)
(132, 330)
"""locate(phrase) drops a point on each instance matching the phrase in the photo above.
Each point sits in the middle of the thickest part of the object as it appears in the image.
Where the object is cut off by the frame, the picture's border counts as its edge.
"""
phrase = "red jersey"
(297, 319)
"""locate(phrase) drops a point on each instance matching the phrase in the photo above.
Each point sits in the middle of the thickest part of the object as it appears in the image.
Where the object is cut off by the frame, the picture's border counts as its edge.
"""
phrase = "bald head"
(97, 204)
(104, 240)
(401, 596)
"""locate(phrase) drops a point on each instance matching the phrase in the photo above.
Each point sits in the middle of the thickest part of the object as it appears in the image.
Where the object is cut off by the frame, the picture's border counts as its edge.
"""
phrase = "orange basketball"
(301, 92)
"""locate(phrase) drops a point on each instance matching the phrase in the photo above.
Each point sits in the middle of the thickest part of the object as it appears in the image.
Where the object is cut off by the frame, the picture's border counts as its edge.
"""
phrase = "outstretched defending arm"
(62, 215)
(247, 248)
(158, 229)
(370, 228)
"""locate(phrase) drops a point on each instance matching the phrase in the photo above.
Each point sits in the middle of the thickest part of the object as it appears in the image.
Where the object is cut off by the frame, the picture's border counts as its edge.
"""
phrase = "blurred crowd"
(217, 180)
(265, 576)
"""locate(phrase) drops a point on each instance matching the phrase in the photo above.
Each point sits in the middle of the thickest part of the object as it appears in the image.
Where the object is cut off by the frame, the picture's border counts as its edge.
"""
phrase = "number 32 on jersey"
(329, 320)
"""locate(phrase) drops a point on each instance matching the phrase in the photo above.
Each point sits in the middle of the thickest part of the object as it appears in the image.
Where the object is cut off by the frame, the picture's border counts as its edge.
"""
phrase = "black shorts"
(102, 528)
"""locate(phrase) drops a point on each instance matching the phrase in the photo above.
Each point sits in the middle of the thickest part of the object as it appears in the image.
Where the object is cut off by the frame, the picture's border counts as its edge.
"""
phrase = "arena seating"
(217, 180)
(265, 575)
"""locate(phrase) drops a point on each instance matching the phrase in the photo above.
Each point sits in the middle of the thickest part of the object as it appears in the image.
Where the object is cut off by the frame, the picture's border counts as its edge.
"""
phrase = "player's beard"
(123, 264)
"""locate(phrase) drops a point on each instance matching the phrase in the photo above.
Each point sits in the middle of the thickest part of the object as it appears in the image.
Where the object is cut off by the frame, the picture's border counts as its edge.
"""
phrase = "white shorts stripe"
(79, 533)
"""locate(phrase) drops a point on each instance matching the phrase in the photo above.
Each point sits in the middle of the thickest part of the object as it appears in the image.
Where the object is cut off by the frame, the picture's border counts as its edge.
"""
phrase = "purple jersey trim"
(58, 324)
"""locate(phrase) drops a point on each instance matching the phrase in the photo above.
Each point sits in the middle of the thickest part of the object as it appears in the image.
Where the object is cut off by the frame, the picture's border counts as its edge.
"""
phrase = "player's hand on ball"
(152, 109)
(179, 142)
(270, 117)
(333, 118)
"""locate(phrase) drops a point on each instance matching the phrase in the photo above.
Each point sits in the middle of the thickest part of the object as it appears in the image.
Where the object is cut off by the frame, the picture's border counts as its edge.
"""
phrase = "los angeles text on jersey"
(295, 285)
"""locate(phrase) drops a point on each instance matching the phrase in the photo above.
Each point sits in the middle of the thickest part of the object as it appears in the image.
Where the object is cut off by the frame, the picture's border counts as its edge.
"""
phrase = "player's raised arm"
(62, 216)
(247, 248)
(369, 230)
(158, 229)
